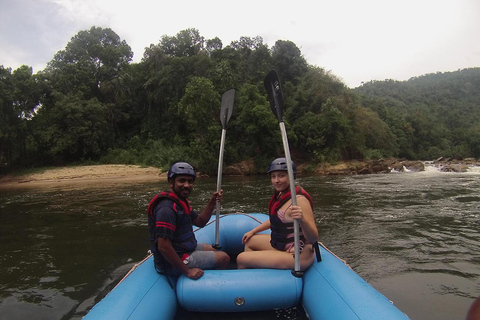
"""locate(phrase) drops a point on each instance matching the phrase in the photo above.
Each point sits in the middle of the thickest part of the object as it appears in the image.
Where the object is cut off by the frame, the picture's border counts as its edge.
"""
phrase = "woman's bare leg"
(274, 259)
(258, 242)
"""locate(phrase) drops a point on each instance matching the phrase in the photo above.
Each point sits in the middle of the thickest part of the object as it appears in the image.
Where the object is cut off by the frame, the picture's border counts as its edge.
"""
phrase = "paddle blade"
(275, 95)
(227, 107)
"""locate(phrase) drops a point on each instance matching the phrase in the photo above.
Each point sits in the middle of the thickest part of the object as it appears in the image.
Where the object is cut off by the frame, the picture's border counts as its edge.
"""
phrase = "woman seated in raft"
(276, 251)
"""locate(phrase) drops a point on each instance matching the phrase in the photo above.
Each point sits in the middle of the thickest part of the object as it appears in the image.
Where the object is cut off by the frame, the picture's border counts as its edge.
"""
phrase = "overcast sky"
(357, 40)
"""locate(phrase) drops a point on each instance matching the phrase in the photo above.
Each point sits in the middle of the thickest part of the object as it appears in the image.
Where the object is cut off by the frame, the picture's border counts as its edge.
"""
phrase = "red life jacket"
(185, 204)
(184, 239)
(282, 233)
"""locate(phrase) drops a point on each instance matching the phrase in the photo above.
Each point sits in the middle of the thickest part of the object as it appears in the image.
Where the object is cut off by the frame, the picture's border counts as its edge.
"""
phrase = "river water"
(414, 236)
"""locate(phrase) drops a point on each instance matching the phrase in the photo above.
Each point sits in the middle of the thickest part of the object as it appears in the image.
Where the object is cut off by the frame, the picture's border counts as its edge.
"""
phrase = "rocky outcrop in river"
(453, 165)
(366, 167)
(369, 167)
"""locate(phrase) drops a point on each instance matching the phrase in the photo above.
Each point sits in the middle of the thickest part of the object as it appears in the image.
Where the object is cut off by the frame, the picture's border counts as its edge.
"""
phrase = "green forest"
(92, 104)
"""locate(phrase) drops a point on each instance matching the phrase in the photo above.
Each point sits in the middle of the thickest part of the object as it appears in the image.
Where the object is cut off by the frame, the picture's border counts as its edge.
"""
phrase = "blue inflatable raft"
(329, 289)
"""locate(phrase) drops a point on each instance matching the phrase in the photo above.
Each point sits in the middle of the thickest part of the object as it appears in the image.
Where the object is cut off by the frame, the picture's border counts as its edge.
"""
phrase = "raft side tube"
(134, 297)
(232, 228)
(239, 290)
(333, 291)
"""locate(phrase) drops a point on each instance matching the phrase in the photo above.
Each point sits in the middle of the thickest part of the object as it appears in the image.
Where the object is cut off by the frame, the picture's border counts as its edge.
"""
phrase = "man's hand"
(194, 273)
(217, 196)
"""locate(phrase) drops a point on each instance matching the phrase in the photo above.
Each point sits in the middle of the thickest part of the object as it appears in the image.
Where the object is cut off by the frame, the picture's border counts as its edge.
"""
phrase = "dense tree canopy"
(92, 104)
(430, 116)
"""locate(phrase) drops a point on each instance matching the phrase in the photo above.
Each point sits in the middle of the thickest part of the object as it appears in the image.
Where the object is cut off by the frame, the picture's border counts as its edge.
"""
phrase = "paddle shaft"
(291, 178)
(226, 110)
(219, 187)
(274, 91)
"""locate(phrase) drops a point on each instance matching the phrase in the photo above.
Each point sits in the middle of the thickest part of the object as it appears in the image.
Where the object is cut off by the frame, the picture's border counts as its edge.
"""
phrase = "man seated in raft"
(170, 220)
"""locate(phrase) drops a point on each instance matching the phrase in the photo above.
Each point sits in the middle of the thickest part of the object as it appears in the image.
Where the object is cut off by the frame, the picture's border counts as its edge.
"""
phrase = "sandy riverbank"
(83, 176)
(105, 175)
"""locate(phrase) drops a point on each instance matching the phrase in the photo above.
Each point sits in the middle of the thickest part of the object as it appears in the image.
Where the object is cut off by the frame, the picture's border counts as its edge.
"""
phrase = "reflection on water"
(414, 236)
(58, 245)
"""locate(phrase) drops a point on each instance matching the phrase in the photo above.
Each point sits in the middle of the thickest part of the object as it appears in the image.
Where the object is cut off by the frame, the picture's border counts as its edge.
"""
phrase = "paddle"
(275, 95)
(225, 114)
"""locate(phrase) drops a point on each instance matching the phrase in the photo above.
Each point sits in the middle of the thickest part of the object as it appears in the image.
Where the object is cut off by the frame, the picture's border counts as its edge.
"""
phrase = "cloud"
(355, 40)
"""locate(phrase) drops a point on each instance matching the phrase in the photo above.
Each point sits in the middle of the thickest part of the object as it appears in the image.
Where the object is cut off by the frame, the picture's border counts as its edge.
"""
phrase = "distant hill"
(446, 94)
(443, 109)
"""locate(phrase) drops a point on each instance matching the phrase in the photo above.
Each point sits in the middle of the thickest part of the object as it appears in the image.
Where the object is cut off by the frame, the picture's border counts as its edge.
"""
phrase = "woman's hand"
(296, 213)
(247, 236)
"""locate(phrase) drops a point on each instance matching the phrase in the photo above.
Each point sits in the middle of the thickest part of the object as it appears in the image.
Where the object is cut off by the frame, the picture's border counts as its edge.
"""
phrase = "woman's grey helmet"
(280, 164)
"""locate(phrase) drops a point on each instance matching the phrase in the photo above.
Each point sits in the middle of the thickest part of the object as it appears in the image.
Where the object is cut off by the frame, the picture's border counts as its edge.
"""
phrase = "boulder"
(454, 167)
(240, 169)
(415, 166)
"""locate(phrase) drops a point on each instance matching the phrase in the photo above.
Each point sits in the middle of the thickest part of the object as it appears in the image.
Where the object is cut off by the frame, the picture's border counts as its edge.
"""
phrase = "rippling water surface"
(414, 236)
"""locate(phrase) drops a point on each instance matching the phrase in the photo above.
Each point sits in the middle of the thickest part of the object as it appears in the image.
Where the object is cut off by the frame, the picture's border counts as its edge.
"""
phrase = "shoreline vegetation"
(106, 175)
(168, 106)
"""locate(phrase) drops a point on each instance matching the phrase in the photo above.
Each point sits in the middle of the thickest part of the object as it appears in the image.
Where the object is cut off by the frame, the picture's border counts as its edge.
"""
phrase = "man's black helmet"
(181, 168)
(280, 164)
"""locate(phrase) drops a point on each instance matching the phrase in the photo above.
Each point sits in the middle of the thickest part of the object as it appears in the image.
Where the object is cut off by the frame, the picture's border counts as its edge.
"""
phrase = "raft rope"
(149, 253)
(135, 266)
(230, 214)
(344, 262)
(333, 254)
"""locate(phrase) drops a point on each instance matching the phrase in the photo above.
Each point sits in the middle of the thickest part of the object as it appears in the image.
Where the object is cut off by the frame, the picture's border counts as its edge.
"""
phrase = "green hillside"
(91, 104)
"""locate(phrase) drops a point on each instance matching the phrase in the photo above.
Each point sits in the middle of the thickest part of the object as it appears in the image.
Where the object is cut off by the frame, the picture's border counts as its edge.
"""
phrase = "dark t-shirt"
(171, 222)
